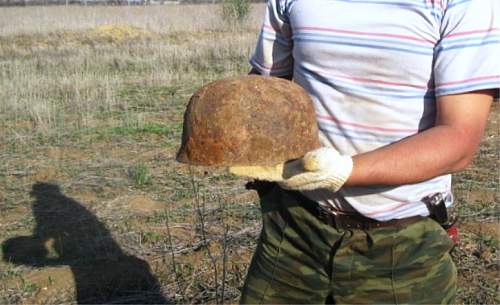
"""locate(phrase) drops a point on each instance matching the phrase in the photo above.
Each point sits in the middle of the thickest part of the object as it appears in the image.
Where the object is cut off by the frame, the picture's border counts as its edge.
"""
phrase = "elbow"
(461, 165)
(463, 161)
(463, 148)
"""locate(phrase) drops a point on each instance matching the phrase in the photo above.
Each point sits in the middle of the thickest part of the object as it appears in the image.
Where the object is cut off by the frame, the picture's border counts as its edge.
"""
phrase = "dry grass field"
(93, 206)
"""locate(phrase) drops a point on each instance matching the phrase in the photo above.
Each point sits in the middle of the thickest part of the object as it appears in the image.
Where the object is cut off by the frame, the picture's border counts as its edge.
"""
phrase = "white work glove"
(321, 168)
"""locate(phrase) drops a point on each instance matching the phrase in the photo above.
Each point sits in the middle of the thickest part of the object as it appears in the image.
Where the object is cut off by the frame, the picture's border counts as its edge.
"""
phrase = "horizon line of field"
(6, 3)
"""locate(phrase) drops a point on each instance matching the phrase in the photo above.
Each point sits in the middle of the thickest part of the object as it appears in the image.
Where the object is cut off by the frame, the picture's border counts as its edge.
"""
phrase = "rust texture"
(249, 120)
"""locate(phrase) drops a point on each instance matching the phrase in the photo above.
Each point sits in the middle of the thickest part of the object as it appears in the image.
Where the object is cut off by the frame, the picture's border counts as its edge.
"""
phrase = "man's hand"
(321, 168)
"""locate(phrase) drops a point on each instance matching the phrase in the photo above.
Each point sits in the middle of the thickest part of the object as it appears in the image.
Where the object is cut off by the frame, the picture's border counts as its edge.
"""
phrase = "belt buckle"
(346, 222)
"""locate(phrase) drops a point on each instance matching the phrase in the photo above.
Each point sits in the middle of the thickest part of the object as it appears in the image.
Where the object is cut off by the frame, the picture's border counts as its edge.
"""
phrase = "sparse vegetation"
(140, 174)
(235, 11)
(91, 104)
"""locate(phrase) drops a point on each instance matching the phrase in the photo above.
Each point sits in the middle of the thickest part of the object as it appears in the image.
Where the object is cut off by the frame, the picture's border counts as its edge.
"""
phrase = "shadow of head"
(51, 202)
(41, 189)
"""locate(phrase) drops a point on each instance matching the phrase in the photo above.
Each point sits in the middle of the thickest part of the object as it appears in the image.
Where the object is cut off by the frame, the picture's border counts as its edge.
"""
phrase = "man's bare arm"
(447, 147)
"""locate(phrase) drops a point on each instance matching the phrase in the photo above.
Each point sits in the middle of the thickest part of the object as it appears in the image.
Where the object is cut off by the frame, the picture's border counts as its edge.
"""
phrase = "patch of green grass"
(171, 131)
(147, 96)
(224, 177)
(153, 128)
(151, 237)
(8, 273)
(28, 287)
(139, 173)
(489, 241)
(182, 193)
(235, 11)
(173, 214)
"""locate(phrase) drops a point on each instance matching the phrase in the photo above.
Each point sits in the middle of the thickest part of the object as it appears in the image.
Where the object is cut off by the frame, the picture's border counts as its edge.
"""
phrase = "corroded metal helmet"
(249, 120)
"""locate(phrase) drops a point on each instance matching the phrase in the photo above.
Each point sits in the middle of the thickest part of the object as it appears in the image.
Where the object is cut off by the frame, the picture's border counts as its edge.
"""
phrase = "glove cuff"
(267, 173)
(340, 173)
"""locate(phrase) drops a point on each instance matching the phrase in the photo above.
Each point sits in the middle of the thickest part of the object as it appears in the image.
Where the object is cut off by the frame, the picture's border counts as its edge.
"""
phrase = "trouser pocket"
(423, 270)
(406, 265)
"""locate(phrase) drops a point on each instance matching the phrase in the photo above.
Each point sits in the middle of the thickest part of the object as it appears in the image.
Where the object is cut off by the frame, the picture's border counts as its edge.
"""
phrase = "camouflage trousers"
(301, 260)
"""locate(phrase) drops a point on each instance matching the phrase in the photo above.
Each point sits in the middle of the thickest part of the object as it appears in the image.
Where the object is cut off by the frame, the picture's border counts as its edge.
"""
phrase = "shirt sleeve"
(273, 53)
(467, 57)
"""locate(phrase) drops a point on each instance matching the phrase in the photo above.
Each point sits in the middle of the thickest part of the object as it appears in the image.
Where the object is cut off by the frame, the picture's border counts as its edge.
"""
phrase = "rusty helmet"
(249, 120)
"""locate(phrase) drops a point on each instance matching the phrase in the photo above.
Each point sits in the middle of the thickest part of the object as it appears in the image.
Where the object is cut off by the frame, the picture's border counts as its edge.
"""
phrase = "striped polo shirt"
(373, 69)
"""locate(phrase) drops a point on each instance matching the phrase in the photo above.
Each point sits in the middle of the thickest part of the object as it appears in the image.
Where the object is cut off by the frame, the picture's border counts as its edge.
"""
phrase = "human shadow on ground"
(102, 272)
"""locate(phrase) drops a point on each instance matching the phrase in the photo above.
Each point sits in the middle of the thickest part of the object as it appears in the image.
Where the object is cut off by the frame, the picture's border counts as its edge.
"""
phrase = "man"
(402, 91)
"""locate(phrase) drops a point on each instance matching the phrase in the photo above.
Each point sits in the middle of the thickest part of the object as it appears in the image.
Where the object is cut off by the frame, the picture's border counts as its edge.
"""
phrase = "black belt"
(341, 220)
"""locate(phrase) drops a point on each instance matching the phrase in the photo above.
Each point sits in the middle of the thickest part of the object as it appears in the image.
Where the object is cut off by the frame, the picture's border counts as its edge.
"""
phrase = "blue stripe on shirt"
(361, 45)
(483, 37)
(275, 37)
(463, 88)
(348, 136)
(393, 41)
(341, 86)
(465, 46)
(393, 136)
(420, 4)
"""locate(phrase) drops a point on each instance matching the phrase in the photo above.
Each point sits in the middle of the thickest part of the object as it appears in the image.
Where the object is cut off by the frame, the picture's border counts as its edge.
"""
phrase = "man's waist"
(384, 203)
(352, 220)
(349, 219)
